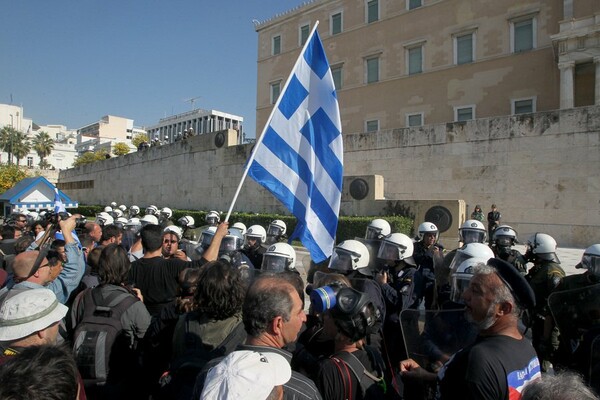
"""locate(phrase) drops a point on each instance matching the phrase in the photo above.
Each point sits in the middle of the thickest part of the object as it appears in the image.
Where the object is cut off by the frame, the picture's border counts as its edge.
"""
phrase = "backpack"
(100, 334)
(371, 386)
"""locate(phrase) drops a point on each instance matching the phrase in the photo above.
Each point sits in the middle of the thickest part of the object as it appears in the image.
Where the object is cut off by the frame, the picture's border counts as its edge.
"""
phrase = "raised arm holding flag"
(299, 155)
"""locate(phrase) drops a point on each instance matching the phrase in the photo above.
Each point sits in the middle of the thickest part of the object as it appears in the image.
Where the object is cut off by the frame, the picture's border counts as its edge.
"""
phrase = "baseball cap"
(247, 375)
(29, 311)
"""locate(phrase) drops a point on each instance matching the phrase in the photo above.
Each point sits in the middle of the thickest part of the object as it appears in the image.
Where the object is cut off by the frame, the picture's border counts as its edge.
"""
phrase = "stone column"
(567, 69)
(597, 80)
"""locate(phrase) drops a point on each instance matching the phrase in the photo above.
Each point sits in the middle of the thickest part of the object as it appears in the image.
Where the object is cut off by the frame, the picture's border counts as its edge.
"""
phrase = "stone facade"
(542, 170)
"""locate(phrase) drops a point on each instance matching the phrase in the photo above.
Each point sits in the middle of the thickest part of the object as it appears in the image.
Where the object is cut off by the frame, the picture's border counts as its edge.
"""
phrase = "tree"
(139, 138)
(89, 157)
(10, 175)
(7, 138)
(20, 146)
(120, 149)
(43, 146)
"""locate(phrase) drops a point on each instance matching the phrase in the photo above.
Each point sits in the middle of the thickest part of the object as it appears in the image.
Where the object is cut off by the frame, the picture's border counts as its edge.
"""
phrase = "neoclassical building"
(407, 63)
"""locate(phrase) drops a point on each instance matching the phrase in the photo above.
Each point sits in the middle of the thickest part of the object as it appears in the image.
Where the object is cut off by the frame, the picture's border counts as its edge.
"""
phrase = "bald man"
(31, 272)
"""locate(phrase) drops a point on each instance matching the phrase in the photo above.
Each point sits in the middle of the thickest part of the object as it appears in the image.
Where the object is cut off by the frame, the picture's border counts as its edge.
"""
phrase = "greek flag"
(300, 157)
(58, 204)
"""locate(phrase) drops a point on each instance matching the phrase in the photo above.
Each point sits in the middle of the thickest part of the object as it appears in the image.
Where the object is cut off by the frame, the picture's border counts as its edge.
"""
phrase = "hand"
(381, 277)
(181, 255)
(408, 365)
(67, 226)
(222, 229)
(138, 294)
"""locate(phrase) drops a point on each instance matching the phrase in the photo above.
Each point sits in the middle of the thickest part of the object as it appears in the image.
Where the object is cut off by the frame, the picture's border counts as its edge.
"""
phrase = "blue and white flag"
(300, 157)
(58, 204)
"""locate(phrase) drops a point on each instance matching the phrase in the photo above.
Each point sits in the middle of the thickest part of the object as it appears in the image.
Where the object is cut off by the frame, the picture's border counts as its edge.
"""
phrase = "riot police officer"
(428, 255)
(544, 277)
(253, 248)
(505, 237)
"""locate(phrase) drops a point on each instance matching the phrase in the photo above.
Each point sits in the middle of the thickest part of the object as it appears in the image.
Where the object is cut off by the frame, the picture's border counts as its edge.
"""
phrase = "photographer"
(33, 268)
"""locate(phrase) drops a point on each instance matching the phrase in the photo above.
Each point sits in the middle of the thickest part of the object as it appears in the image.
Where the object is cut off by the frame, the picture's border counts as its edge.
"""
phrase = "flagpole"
(262, 135)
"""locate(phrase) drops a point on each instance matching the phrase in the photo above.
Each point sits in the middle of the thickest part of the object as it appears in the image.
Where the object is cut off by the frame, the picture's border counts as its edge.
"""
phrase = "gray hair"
(501, 292)
(564, 386)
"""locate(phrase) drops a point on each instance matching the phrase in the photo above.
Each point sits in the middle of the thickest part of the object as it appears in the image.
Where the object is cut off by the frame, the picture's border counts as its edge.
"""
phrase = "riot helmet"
(123, 207)
(591, 260)
(472, 231)
(396, 247)
(350, 255)
(151, 210)
(133, 225)
(279, 257)
(461, 276)
(231, 242)
(165, 213)
(505, 236)
(104, 219)
(377, 229)
(277, 228)
(428, 227)
(240, 226)
(117, 213)
(113, 204)
(186, 221)
(542, 246)
(207, 236)
(255, 232)
(149, 219)
(471, 250)
(108, 209)
(120, 222)
(134, 211)
(213, 218)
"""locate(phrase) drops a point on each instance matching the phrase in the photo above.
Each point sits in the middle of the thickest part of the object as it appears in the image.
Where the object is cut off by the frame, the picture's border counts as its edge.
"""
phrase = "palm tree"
(43, 146)
(7, 138)
(20, 146)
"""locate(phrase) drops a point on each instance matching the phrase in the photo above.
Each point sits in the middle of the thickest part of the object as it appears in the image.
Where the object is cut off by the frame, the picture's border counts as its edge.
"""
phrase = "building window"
(372, 125)
(412, 4)
(276, 45)
(372, 69)
(414, 119)
(463, 48)
(372, 11)
(275, 90)
(336, 72)
(304, 32)
(336, 23)
(30, 162)
(415, 59)
(523, 34)
(464, 113)
(523, 106)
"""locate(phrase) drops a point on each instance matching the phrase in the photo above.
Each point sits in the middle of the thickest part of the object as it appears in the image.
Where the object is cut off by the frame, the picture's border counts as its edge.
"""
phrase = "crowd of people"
(134, 305)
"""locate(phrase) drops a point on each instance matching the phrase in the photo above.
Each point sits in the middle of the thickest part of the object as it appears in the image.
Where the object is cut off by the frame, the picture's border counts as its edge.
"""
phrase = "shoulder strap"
(356, 366)
(346, 382)
(117, 301)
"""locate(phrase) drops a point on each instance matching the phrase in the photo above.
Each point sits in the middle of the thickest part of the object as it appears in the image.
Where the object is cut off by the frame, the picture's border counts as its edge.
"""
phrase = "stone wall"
(542, 170)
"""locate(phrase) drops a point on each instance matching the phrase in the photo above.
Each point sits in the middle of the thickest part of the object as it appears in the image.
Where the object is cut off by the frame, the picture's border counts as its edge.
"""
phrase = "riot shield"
(576, 313)
(432, 336)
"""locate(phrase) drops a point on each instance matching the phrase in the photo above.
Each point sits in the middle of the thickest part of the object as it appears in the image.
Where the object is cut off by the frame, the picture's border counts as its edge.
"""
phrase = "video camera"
(53, 218)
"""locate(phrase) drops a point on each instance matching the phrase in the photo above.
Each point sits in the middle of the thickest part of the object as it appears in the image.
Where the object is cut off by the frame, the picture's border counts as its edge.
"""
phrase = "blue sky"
(72, 62)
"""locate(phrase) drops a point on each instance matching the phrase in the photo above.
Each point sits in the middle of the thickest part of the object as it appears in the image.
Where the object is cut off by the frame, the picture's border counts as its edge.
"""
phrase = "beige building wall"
(540, 169)
(491, 83)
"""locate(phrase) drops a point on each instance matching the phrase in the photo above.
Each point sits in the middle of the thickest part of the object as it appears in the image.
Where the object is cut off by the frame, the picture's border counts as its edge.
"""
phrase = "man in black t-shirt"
(157, 277)
(501, 362)
(493, 220)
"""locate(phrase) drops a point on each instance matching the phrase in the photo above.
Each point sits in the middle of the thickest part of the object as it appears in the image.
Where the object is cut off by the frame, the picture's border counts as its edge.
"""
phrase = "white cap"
(175, 230)
(246, 375)
(29, 311)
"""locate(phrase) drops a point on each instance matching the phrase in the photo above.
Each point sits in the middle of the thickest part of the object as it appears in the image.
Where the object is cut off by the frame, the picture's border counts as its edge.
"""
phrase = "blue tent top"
(35, 193)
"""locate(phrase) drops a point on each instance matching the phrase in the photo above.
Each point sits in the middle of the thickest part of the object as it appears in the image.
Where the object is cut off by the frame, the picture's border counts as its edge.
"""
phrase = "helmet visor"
(391, 251)
(504, 241)
(341, 260)
(460, 283)
(373, 233)
(458, 259)
(274, 263)
(275, 230)
(206, 238)
(473, 236)
(230, 243)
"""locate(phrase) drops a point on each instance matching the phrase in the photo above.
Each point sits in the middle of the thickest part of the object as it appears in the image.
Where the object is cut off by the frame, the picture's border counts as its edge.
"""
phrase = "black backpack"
(100, 334)
(371, 386)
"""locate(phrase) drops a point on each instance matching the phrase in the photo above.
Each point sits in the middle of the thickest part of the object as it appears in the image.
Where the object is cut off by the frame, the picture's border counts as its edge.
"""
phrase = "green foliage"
(10, 175)
(89, 157)
(14, 143)
(43, 146)
(139, 138)
(120, 149)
